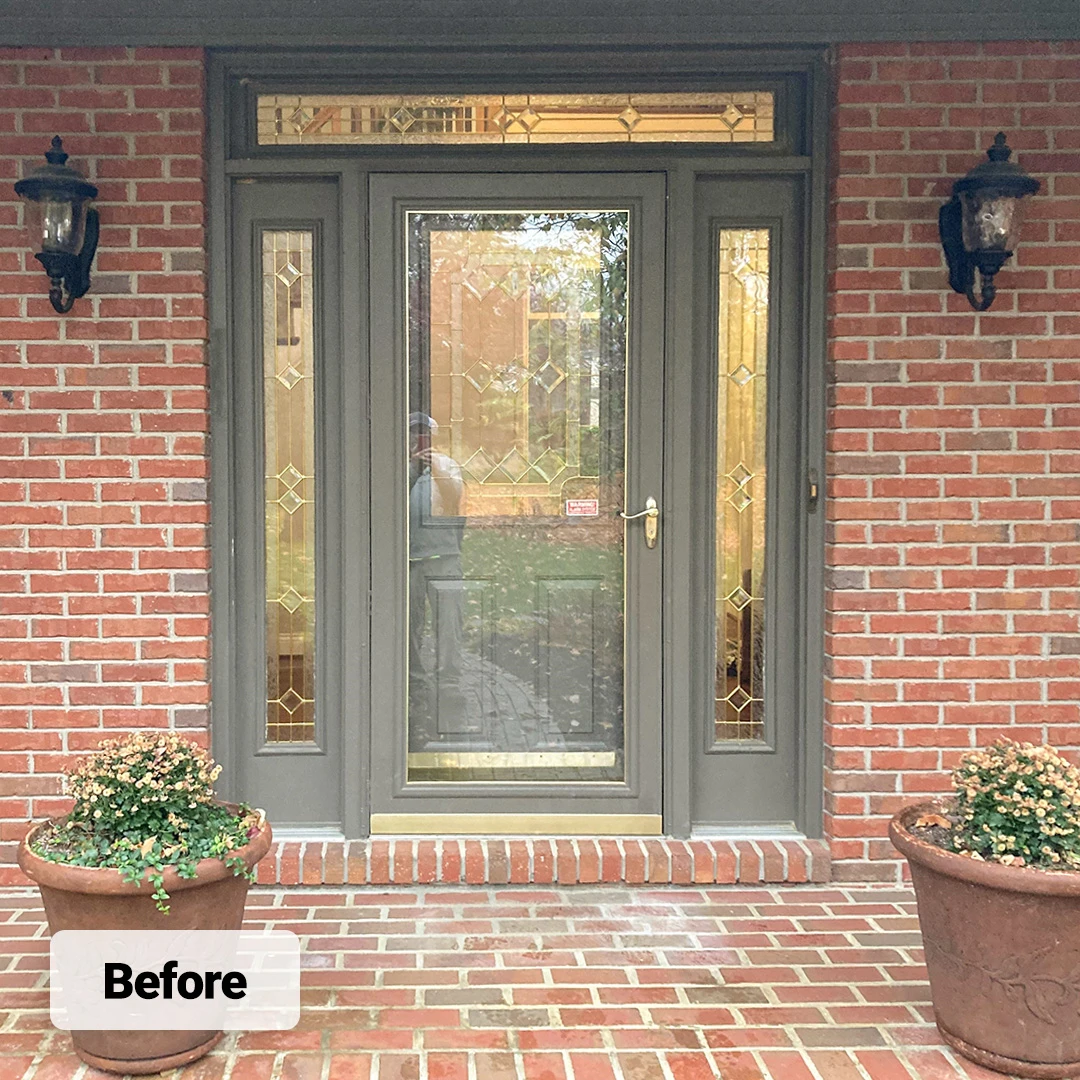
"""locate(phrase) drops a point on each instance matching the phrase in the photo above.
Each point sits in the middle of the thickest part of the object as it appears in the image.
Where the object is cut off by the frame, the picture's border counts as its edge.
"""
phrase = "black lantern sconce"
(981, 222)
(61, 225)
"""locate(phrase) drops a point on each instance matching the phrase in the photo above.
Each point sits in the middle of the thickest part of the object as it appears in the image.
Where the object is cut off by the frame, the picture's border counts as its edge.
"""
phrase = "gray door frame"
(801, 79)
(643, 195)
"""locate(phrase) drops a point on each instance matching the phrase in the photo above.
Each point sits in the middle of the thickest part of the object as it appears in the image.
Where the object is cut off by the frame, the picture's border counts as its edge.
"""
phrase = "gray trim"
(812, 517)
(521, 22)
(223, 622)
(647, 68)
(643, 195)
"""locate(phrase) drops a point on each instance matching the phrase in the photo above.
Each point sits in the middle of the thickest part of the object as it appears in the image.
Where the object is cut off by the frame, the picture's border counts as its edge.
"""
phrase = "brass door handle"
(651, 514)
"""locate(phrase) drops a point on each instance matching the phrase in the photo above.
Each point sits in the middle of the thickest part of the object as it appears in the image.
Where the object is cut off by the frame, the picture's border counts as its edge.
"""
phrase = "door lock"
(651, 514)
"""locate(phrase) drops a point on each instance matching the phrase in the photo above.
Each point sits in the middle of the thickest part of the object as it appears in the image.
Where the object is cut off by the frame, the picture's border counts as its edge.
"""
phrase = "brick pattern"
(954, 447)
(954, 547)
(103, 549)
(526, 861)
(547, 984)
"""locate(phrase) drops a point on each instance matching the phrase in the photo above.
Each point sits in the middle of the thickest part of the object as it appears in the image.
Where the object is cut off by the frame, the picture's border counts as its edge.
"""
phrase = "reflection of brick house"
(952, 559)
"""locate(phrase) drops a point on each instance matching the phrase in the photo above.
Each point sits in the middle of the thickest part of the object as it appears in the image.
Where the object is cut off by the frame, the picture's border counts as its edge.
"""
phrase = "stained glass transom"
(312, 119)
(740, 489)
(288, 418)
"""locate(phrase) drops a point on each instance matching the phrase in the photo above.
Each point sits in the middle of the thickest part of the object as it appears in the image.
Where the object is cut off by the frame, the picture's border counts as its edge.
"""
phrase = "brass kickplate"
(516, 825)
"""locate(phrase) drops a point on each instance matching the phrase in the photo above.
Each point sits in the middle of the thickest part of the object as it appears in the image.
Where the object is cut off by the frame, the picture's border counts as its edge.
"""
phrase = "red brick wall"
(954, 450)
(103, 556)
(954, 548)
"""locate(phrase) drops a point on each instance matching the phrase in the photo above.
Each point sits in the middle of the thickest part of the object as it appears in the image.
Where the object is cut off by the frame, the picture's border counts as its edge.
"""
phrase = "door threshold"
(769, 830)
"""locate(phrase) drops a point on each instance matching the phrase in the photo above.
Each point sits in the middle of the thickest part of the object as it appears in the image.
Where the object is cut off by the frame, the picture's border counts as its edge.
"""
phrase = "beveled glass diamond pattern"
(288, 275)
(526, 120)
(548, 376)
(290, 476)
(291, 600)
(515, 465)
(290, 502)
(629, 118)
(300, 119)
(290, 701)
(479, 467)
(740, 474)
(549, 465)
(510, 378)
(741, 375)
(732, 115)
(403, 120)
(290, 377)
(479, 376)
(740, 499)
(738, 699)
(739, 598)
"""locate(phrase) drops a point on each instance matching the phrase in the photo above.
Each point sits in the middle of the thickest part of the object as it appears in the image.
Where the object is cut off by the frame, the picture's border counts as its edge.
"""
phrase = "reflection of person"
(435, 533)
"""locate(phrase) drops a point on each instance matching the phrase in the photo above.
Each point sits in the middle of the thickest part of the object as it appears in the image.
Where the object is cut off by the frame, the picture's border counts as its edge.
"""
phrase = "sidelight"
(289, 447)
(742, 348)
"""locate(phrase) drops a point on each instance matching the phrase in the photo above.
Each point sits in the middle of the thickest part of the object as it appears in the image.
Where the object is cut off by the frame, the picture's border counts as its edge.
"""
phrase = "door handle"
(651, 514)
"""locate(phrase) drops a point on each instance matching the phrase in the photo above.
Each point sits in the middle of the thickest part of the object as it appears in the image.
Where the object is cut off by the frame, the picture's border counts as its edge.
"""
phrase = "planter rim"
(107, 880)
(1019, 879)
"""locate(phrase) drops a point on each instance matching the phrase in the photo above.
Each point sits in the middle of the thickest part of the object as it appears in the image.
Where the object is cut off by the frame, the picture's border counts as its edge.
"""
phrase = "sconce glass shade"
(56, 223)
(56, 202)
(991, 220)
(990, 198)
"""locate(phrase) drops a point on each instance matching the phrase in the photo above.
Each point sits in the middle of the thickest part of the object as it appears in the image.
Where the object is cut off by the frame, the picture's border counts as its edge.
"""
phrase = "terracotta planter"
(1003, 954)
(88, 898)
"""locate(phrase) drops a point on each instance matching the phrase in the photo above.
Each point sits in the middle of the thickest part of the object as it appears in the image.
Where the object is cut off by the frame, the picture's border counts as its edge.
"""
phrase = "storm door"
(516, 382)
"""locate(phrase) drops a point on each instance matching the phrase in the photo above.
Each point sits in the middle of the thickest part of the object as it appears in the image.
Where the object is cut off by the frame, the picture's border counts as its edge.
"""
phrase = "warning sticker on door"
(582, 507)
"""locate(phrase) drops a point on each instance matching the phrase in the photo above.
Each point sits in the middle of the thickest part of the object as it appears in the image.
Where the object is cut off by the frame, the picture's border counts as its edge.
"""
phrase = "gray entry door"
(515, 384)
(749, 496)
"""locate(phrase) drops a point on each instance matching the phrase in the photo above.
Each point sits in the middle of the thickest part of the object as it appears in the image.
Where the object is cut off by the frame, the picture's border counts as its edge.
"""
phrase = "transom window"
(381, 119)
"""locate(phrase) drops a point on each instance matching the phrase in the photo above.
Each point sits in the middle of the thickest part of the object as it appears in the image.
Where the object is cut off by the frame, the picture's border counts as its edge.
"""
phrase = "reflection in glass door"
(517, 357)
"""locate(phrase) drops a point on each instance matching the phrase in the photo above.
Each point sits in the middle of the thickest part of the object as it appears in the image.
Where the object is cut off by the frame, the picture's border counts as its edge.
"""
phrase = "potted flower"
(145, 846)
(996, 871)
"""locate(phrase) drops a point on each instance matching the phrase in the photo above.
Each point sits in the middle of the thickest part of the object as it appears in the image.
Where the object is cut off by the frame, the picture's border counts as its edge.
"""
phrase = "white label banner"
(174, 980)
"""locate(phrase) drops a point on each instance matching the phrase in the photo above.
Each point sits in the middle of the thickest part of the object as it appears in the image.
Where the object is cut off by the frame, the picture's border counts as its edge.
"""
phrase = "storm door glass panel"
(289, 433)
(743, 319)
(517, 327)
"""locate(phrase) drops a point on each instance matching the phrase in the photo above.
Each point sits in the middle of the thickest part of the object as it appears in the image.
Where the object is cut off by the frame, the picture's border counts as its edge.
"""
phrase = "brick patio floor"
(585, 983)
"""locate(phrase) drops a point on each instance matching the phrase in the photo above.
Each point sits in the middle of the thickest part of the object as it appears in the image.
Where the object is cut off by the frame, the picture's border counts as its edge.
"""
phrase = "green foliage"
(1018, 804)
(144, 803)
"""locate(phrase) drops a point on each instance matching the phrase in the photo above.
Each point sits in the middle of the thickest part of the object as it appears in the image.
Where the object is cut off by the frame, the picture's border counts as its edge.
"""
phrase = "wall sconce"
(980, 224)
(61, 224)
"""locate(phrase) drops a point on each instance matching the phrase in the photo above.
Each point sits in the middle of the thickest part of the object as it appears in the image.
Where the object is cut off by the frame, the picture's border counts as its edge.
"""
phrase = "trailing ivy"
(145, 803)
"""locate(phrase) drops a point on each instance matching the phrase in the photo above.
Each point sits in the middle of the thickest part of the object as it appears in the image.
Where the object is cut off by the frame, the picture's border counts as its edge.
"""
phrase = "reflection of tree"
(563, 266)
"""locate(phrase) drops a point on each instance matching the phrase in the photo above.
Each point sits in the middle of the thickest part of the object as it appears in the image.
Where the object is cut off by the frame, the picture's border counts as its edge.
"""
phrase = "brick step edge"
(407, 860)
(532, 861)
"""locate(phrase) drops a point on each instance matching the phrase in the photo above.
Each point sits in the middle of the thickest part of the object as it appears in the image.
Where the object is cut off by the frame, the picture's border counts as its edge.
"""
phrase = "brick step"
(410, 860)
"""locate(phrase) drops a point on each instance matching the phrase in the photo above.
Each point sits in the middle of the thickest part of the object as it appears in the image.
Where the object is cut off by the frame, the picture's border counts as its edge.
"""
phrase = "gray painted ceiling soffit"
(320, 23)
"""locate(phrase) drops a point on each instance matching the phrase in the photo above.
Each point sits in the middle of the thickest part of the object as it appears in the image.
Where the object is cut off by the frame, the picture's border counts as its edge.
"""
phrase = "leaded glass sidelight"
(739, 116)
(742, 347)
(289, 434)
